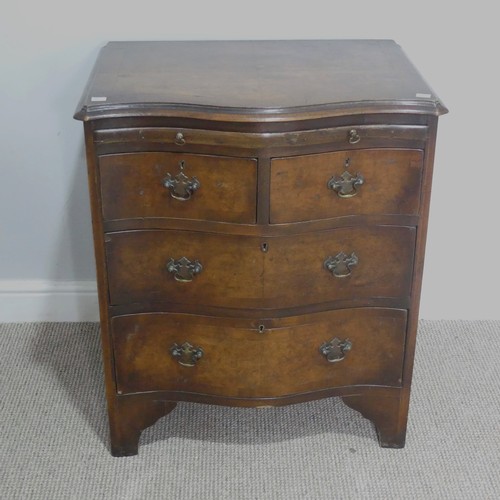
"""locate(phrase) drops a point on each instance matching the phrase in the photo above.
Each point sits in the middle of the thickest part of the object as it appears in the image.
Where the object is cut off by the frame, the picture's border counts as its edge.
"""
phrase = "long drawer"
(252, 272)
(247, 359)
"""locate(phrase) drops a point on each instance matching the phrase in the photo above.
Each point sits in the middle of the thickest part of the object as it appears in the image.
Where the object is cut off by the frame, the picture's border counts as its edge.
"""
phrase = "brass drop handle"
(183, 269)
(340, 265)
(186, 354)
(179, 139)
(181, 186)
(353, 136)
(335, 350)
(346, 185)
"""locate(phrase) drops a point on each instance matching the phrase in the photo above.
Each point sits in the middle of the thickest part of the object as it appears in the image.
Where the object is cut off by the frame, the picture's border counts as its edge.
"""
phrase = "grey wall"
(47, 50)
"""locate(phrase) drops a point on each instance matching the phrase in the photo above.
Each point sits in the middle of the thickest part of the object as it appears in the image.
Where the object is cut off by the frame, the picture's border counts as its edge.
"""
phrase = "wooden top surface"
(255, 80)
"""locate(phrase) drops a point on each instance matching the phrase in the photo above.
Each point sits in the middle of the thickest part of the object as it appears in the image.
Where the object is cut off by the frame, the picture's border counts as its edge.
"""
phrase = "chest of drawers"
(259, 214)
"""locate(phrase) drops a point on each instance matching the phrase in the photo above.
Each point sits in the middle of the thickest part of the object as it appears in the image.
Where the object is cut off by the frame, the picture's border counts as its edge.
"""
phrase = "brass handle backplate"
(353, 136)
(335, 350)
(179, 139)
(183, 269)
(181, 186)
(345, 185)
(186, 354)
(340, 265)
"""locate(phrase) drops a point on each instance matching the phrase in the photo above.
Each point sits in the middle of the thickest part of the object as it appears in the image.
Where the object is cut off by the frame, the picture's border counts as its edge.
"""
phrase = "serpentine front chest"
(260, 213)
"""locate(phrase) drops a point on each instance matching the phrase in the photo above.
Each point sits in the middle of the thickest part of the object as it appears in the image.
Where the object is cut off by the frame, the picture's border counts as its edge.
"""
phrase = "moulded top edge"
(216, 113)
(255, 80)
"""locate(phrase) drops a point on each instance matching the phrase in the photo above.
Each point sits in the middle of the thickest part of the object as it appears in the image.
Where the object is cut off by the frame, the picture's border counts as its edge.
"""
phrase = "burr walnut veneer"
(260, 214)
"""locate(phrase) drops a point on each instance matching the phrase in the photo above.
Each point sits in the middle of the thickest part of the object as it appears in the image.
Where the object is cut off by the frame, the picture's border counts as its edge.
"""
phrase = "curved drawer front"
(138, 268)
(327, 185)
(233, 358)
(200, 187)
(234, 271)
(340, 264)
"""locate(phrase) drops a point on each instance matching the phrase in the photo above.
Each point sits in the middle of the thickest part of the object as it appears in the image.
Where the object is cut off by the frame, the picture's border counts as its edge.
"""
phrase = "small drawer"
(237, 271)
(217, 270)
(247, 359)
(175, 185)
(340, 264)
(342, 183)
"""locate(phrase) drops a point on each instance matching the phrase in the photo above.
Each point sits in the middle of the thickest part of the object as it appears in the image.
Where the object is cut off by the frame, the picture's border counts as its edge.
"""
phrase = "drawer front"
(212, 188)
(230, 275)
(336, 137)
(363, 182)
(234, 358)
(340, 264)
(234, 271)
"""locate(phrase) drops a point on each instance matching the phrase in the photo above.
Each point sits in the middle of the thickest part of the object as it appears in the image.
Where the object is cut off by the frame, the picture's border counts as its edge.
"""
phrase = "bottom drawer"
(258, 359)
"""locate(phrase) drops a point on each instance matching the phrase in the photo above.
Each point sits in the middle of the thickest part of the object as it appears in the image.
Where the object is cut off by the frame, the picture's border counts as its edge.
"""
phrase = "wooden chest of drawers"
(259, 214)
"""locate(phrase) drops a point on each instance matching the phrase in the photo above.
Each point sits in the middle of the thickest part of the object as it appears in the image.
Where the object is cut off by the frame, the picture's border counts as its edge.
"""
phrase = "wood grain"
(332, 76)
(391, 185)
(240, 361)
(332, 137)
(132, 186)
(237, 273)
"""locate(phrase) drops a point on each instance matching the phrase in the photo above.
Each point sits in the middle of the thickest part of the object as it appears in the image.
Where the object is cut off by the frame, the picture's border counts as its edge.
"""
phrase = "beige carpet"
(54, 442)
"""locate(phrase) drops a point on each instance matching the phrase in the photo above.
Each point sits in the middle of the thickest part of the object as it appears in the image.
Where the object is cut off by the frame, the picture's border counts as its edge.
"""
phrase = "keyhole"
(261, 328)
(264, 247)
(347, 163)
